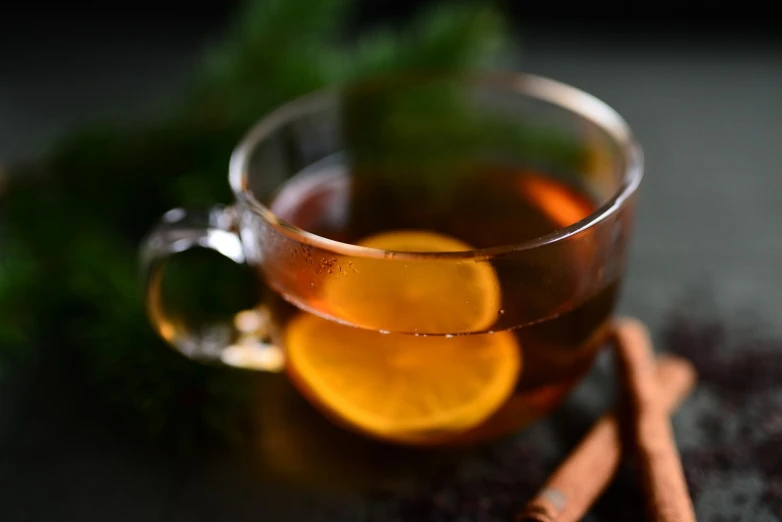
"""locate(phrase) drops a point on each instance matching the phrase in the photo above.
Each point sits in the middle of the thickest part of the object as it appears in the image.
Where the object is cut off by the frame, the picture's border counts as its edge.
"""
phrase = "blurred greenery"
(401, 133)
(73, 220)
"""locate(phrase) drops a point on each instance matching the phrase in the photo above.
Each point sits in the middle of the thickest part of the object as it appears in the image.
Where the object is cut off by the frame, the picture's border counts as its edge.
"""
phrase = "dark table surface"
(708, 113)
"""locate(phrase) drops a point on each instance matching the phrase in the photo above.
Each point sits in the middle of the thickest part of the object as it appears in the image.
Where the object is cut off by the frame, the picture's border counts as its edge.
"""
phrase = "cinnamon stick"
(658, 462)
(586, 472)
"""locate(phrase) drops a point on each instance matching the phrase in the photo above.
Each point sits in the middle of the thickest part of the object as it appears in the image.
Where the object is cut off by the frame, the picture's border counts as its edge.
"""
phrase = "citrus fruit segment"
(415, 241)
(401, 387)
(562, 206)
(416, 295)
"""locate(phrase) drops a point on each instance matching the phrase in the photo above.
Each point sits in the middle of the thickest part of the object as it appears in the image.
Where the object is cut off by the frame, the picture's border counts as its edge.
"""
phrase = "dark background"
(67, 63)
(699, 82)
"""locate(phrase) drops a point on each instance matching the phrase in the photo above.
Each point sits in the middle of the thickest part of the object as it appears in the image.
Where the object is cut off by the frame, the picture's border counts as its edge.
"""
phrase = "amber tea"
(415, 363)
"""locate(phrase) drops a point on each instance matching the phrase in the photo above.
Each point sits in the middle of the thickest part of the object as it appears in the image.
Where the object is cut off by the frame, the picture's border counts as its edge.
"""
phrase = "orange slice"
(562, 205)
(416, 295)
(398, 386)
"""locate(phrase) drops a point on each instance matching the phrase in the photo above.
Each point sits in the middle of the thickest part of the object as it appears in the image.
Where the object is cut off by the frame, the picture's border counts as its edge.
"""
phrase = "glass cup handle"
(180, 230)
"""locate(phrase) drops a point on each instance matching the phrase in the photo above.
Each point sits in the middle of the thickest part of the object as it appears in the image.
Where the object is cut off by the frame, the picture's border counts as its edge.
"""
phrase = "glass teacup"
(438, 256)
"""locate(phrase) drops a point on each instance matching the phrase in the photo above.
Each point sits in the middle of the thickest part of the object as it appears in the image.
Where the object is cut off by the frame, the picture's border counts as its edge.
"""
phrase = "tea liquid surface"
(402, 375)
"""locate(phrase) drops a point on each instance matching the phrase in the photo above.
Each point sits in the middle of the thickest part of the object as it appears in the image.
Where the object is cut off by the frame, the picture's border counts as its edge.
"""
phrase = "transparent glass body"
(532, 181)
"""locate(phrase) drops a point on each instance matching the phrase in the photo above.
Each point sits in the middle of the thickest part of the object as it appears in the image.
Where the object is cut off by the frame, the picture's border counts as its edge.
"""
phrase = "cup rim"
(579, 102)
